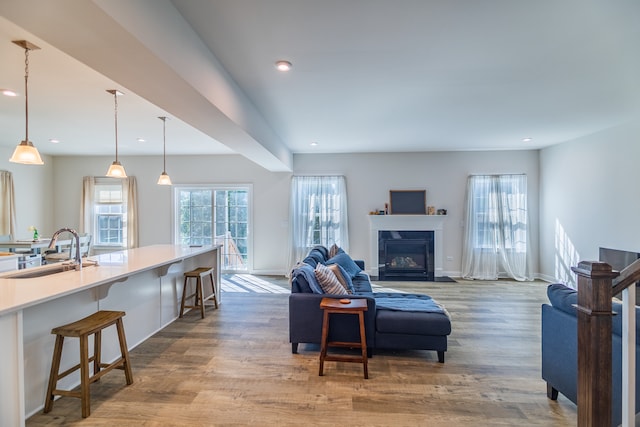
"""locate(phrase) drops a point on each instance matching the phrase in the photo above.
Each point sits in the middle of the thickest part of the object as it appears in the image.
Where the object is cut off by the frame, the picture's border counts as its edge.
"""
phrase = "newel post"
(594, 343)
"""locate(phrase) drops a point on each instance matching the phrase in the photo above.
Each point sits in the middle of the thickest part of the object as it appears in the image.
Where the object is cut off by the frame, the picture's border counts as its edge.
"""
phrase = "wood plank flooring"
(235, 368)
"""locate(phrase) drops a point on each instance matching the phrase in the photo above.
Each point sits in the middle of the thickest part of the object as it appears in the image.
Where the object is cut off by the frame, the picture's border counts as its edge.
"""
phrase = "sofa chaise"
(392, 321)
(560, 348)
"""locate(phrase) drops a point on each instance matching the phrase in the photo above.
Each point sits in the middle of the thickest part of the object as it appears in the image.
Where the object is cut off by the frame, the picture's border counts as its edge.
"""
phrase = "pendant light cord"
(164, 144)
(26, 93)
(115, 99)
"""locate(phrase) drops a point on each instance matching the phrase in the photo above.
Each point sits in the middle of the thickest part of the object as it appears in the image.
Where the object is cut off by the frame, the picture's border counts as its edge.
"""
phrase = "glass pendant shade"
(116, 171)
(26, 154)
(164, 179)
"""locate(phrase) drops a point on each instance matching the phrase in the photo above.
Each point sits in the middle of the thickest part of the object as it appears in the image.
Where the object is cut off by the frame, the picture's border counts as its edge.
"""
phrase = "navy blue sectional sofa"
(392, 321)
(560, 348)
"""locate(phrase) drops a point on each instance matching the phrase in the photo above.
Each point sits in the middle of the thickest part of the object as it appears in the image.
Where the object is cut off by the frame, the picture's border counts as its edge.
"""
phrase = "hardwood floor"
(235, 368)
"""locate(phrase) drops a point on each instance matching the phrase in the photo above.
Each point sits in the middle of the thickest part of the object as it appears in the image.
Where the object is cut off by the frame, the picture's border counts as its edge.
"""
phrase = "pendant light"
(116, 170)
(164, 177)
(25, 152)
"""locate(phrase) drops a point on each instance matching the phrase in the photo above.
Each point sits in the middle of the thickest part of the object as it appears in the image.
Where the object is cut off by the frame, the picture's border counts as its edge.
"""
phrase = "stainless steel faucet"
(54, 238)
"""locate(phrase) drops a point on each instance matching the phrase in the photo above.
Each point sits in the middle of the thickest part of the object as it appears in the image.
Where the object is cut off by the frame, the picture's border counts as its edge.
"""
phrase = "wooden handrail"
(627, 277)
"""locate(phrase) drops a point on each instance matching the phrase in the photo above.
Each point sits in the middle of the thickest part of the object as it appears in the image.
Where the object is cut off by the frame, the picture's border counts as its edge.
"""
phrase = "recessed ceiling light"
(313, 144)
(9, 92)
(527, 139)
(141, 140)
(54, 140)
(283, 65)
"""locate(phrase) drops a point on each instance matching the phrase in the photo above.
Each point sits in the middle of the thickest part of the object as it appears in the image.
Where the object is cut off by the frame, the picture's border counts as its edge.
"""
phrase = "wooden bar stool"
(349, 306)
(199, 274)
(90, 325)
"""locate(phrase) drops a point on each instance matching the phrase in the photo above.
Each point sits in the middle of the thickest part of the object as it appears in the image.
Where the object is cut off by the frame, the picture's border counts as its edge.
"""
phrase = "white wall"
(369, 179)
(33, 187)
(590, 192)
(442, 174)
(270, 197)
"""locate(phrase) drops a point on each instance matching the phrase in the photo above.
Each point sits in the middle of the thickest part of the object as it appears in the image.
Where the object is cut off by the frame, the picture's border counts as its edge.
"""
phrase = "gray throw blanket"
(410, 304)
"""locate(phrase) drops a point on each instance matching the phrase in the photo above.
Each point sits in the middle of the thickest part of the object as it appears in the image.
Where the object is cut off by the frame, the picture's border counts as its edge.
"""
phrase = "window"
(110, 210)
(208, 215)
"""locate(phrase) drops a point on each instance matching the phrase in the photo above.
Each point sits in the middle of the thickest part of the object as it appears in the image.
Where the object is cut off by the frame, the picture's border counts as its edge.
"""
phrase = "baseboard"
(265, 272)
(546, 278)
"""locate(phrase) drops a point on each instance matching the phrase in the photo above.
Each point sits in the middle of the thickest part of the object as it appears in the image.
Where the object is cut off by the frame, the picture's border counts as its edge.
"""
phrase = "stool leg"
(363, 344)
(323, 345)
(200, 296)
(184, 294)
(84, 376)
(213, 288)
(97, 352)
(53, 376)
(124, 351)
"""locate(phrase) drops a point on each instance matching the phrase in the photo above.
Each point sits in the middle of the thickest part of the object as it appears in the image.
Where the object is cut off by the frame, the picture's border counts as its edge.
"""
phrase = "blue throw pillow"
(345, 261)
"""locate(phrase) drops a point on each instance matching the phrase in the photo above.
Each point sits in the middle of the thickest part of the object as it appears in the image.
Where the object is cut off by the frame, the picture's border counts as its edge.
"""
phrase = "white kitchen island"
(146, 283)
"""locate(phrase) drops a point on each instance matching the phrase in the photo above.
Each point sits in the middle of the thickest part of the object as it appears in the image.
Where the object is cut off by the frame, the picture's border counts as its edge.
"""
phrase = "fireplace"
(432, 223)
(405, 255)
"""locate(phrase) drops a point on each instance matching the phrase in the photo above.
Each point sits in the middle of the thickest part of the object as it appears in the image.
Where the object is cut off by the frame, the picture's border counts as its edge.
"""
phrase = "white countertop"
(17, 294)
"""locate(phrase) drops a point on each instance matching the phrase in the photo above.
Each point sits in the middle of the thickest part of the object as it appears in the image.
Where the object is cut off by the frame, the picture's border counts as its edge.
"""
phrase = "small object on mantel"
(345, 301)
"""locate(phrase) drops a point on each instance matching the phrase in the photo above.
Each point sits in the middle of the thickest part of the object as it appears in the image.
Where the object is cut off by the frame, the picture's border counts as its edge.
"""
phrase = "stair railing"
(597, 283)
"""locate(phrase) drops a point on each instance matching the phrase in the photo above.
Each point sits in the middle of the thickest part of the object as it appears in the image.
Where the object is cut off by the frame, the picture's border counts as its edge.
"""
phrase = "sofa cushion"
(563, 298)
(328, 280)
(342, 277)
(345, 261)
(410, 322)
(362, 284)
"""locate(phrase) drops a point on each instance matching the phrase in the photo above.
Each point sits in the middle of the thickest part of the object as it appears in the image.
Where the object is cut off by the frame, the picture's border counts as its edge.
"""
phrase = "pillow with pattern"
(328, 281)
(342, 277)
(334, 250)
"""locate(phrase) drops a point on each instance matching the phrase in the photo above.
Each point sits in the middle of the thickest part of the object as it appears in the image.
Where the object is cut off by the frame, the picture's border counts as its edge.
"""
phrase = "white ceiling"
(368, 75)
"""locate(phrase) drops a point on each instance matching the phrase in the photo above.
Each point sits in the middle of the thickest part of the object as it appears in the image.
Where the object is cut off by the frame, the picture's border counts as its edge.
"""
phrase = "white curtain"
(86, 206)
(131, 196)
(497, 233)
(317, 214)
(8, 208)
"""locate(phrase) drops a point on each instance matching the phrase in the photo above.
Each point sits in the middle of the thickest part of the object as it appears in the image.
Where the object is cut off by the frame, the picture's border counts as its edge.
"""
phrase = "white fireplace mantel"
(433, 223)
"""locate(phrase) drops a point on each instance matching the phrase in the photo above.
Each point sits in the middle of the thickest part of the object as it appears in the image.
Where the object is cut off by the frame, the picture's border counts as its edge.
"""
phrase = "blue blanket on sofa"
(425, 305)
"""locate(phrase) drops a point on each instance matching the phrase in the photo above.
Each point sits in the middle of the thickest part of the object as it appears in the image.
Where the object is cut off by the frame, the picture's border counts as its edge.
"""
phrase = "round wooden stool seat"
(199, 299)
(90, 325)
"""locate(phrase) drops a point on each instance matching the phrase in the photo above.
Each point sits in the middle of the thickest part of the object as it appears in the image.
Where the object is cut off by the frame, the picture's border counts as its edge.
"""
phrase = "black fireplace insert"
(405, 255)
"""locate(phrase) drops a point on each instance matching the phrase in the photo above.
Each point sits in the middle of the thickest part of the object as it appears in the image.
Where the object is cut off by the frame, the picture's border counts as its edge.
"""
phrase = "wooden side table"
(334, 306)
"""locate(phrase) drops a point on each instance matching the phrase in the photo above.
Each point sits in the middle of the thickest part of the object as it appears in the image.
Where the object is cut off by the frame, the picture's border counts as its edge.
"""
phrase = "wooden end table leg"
(323, 345)
(363, 344)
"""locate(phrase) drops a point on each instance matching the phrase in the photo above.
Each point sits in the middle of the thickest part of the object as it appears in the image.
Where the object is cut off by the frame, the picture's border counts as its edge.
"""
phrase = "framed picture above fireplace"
(408, 202)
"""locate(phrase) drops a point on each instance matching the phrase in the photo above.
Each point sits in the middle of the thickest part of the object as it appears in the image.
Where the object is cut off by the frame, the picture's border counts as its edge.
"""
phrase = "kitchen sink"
(48, 270)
